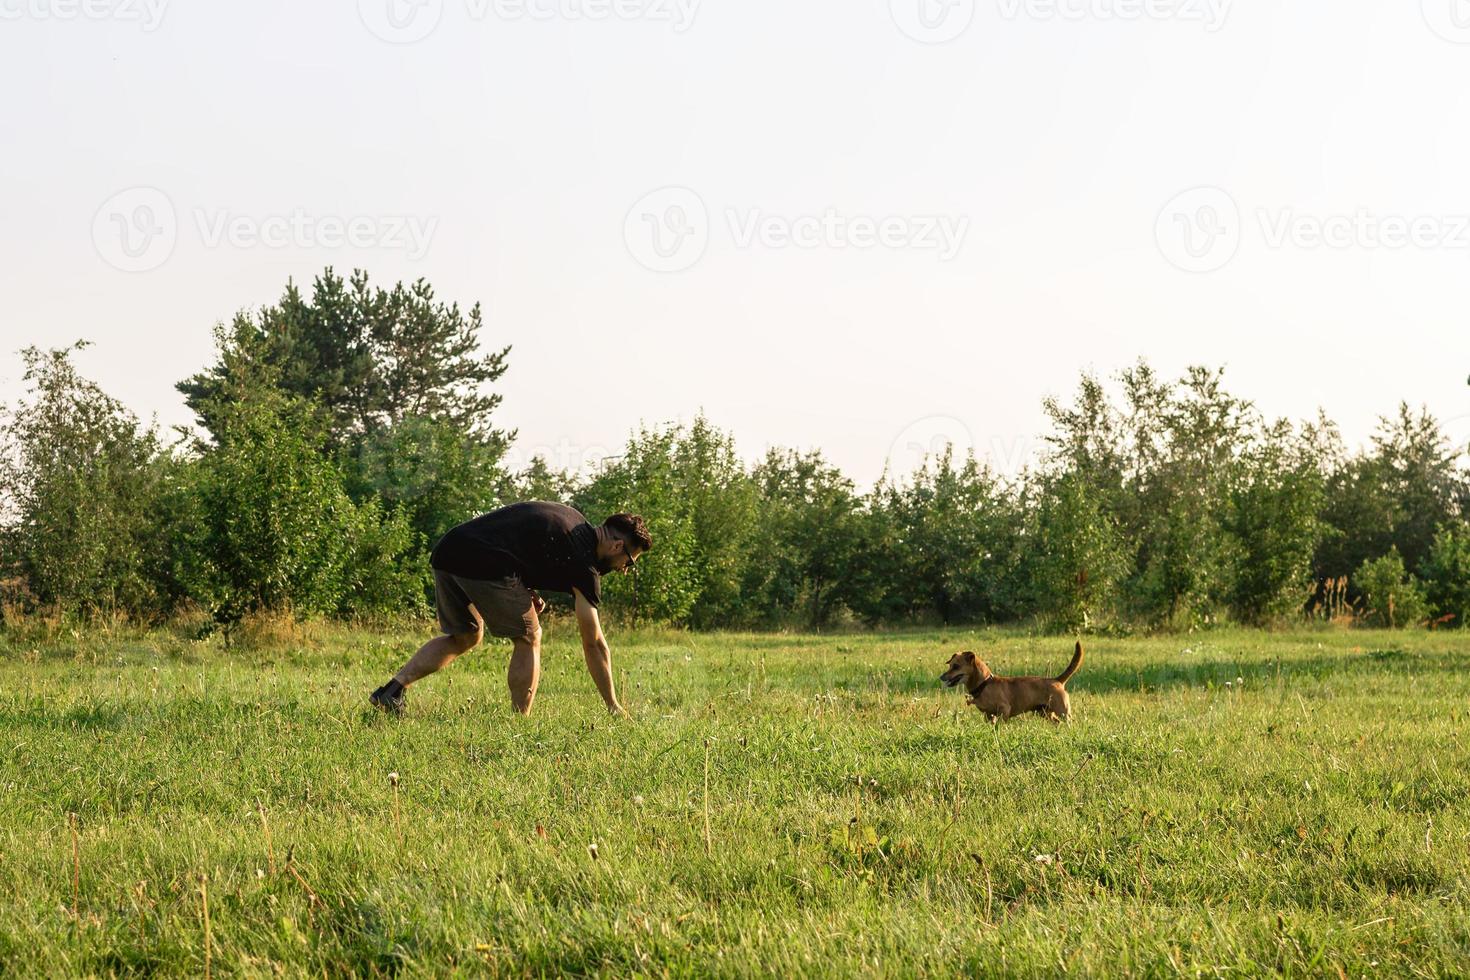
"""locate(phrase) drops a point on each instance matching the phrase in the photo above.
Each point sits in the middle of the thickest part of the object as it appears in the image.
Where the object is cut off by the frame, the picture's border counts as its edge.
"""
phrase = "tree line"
(341, 433)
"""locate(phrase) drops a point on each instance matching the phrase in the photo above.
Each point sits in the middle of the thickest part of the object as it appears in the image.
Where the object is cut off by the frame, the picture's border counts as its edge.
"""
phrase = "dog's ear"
(969, 656)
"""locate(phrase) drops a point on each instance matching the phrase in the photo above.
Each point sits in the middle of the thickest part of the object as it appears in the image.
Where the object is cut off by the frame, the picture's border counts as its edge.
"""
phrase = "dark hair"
(630, 528)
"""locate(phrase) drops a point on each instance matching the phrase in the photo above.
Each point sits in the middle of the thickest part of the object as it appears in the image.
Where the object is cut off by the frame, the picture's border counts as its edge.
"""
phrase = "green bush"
(434, 472)
(1075, 557)
(1391, 596)
(644, 480)
(273, 528)
(1410, 483)
(385, 571)
(1271, 516)
(1446, 574)
(347, 431)
(956, 530)
(81, 482)
(807, 534)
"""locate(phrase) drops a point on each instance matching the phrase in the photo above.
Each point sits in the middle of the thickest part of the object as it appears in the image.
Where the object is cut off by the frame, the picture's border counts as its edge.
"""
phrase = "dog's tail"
(1066, 675)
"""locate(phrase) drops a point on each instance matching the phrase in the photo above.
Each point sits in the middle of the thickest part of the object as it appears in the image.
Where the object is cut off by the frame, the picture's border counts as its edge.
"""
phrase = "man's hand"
(596, 652)
(538, 603)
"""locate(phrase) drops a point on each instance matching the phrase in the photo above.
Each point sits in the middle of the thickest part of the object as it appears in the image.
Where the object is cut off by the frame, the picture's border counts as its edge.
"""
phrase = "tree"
(270, 526)
(394, 383)
(538, 481)
(1075, 555)
(1396, 496)
(1357, 517)
(370, 358)
(875, 589)
(1420, 471)
(807, 535)
(666, 585)
(1445, 572)
(1150, 477)
(82, 481)
(428, 470)
(1089, 437)
(1272, 519)
(721, 502)
(956, 540)
(1188, 439)
(700, 504)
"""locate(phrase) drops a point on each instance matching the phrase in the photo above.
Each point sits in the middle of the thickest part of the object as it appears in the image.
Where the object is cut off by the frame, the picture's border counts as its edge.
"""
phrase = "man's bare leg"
(524, 672)
(435, 655)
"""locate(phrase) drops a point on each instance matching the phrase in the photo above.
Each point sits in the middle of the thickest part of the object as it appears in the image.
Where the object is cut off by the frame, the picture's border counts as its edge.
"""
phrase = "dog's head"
(964, 667)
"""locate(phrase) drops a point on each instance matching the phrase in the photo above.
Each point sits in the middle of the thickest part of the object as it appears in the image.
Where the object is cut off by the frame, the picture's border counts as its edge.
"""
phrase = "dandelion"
(1239, 681)
(592, 850)
(638, 801)
(397, 816)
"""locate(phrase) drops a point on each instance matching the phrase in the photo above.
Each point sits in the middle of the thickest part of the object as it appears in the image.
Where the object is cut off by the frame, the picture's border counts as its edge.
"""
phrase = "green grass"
(1310, 818)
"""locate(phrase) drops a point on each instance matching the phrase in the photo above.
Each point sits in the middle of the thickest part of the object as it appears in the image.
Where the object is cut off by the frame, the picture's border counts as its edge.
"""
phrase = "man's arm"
(594, 648)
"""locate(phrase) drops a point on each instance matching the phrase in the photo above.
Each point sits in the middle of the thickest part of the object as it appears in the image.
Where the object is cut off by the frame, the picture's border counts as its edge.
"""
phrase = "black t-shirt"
(548, 546)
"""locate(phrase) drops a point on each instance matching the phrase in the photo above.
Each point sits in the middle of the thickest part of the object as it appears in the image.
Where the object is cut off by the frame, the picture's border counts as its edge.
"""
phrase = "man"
(486, 572)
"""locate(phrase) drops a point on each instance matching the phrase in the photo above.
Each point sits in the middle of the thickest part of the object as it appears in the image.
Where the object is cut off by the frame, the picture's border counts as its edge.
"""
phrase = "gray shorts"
(504, 606)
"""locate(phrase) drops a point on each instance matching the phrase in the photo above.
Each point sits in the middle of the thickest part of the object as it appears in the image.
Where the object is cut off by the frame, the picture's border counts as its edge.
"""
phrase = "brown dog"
(1006, 697)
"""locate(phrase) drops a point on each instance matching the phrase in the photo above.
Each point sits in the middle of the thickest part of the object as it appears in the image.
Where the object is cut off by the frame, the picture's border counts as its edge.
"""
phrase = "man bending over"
(486, 573)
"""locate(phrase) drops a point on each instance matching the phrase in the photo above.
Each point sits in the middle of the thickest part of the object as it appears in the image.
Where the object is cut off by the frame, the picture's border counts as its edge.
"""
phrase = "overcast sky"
(861, 226)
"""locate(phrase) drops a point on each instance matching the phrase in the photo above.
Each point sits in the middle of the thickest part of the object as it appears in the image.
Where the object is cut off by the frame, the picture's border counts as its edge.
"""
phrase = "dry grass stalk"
(204, 904)
(76, 866)
(270, 850)
(707, 844)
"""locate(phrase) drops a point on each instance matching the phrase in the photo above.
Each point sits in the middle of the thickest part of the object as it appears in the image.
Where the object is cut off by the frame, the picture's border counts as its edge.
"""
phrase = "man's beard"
(604, 566)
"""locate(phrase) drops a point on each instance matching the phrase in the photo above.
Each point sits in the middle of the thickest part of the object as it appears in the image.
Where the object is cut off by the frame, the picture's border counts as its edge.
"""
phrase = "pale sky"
(860, 226)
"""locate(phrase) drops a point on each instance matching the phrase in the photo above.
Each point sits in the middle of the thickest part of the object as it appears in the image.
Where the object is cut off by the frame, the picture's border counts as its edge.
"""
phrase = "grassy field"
(1224, 803)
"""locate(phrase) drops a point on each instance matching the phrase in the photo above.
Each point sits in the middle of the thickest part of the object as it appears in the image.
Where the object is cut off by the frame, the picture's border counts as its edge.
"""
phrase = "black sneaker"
(391, 703)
